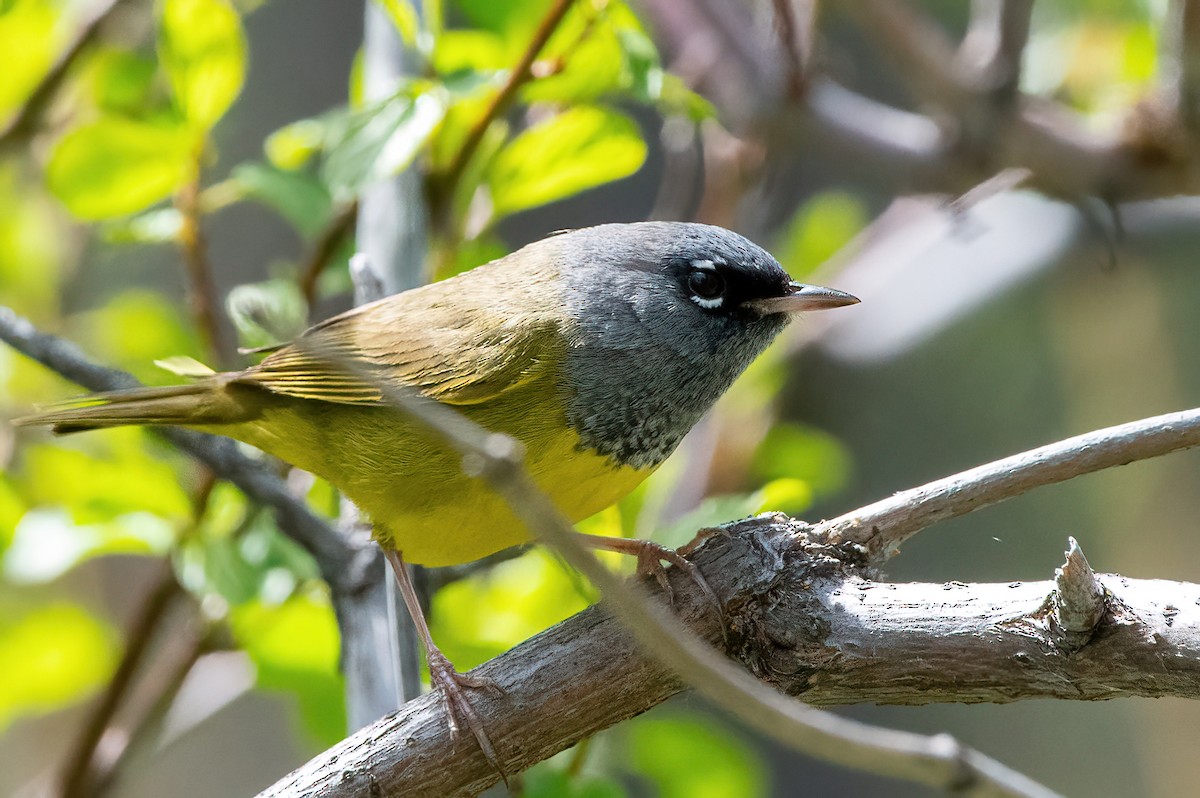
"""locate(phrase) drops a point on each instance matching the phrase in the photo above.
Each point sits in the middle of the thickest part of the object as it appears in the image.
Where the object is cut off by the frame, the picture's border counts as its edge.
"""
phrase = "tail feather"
(208, 401)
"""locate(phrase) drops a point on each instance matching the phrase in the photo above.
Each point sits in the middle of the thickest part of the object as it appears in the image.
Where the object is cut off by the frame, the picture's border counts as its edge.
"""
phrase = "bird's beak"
(803, 297)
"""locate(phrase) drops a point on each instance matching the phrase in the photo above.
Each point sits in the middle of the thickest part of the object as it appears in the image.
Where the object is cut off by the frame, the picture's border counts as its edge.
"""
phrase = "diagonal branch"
(24, 123)
(881, 527)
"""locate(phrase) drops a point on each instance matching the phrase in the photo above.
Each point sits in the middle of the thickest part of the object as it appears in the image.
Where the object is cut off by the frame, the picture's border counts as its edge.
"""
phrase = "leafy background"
(200, 135)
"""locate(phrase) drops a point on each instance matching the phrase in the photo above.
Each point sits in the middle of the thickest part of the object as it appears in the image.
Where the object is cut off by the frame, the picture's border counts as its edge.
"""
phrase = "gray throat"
(642, 375)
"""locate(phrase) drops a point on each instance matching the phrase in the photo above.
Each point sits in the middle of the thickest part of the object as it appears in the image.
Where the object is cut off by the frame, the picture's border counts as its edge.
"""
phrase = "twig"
(518, 77)
(341, 566)
(991, 51)
(23, 124)
(78, 775)
(923, 55)
(1181, 67)
(144, 728)
(324, 247)
(883, 526)
(498, 460)
(795, 40)
(1078, 596)
(201, 291)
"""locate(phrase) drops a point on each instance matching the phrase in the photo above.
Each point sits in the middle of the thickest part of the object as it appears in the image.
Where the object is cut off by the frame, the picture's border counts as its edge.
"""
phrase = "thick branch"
(805, 619)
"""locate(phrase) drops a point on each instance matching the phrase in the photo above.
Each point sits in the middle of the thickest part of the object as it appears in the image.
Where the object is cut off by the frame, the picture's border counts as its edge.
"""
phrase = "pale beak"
(800, 297)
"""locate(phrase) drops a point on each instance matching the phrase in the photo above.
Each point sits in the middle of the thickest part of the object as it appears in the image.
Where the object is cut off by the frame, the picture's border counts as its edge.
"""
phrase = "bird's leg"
(650, 557)
(441, 672)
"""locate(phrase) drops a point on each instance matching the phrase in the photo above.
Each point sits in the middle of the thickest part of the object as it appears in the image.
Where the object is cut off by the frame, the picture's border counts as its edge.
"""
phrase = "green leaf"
(381, 140)
(294, 646)
(203, 48)
(796, 451)
(550, 782)
(51, 657)
(297, 196)
(691, 756)
(578, 149)
(116, 166)
(294, 145)
(820, 228)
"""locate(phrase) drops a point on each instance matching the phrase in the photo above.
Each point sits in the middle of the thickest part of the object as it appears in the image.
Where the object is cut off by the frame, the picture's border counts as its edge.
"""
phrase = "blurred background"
(1005, 185)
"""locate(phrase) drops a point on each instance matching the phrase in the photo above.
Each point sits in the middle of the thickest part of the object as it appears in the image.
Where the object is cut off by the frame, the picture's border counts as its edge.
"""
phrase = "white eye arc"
(704, 265)
(708, 304)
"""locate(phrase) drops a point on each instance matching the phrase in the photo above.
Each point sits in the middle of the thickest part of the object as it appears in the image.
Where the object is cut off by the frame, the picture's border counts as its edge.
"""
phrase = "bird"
(597, 349)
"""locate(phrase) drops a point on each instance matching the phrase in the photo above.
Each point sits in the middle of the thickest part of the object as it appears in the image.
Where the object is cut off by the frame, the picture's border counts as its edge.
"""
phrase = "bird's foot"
(650, 559)
(454, 686)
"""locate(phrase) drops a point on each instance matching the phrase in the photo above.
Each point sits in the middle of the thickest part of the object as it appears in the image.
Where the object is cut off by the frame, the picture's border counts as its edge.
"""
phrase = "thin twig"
(995, 41)
(201, 291)
(341, 565)
(78, 773)
(795, 40)
(883, 526)
(518, 77)
(25, 121)
(144, 728)
(498, 460)
(324, 247)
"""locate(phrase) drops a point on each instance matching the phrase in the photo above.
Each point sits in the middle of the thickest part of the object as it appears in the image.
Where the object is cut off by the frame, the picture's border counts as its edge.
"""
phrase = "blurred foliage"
(129, 137)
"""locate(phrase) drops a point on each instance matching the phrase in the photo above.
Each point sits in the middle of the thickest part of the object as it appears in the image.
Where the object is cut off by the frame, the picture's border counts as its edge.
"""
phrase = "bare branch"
(995, 41)
(78, 776)
(881, 527)
(807, 621)
(340, 565)
(324, 247)
(201, 292)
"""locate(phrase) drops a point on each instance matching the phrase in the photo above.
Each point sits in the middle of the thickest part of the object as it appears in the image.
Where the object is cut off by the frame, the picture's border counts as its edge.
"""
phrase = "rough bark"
(809, 619)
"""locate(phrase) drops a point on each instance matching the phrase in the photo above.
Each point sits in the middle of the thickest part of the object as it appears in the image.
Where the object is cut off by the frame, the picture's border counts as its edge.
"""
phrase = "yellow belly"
(412, 485)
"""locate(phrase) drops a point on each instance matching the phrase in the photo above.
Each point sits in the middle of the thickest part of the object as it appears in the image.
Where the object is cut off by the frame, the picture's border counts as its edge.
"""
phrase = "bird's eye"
(706, 284)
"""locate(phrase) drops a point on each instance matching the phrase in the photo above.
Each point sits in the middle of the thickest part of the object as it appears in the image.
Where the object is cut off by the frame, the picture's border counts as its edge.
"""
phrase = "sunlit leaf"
(691, 756)
(48, 542)
(475, 50)
(51, 657)
(116, 166)
(578, 149)
(294, 646)
(475, 619)
(796, 451)
(380, 140)
(31, 35)
(514, 19)
(294, 145)
(123, 82)
(821, 227)
(203, 48)
(297, 196)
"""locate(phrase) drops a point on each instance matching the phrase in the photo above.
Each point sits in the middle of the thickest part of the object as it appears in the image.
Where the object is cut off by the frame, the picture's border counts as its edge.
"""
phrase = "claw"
(650, 558)
(458, 706)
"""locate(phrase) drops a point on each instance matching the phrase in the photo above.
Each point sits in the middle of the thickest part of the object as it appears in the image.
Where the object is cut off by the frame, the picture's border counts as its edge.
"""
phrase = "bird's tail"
(207, 401)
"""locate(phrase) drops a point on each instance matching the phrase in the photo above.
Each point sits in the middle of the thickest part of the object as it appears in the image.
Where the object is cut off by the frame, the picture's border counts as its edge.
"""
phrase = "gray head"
(665, 316)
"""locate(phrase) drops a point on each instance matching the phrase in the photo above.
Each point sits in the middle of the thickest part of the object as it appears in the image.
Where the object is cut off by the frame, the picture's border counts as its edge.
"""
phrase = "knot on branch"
(1079, 599)
(783, 620)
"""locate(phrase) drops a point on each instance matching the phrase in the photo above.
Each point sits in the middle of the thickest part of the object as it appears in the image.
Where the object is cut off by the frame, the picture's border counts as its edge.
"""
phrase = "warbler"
(597, 349)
